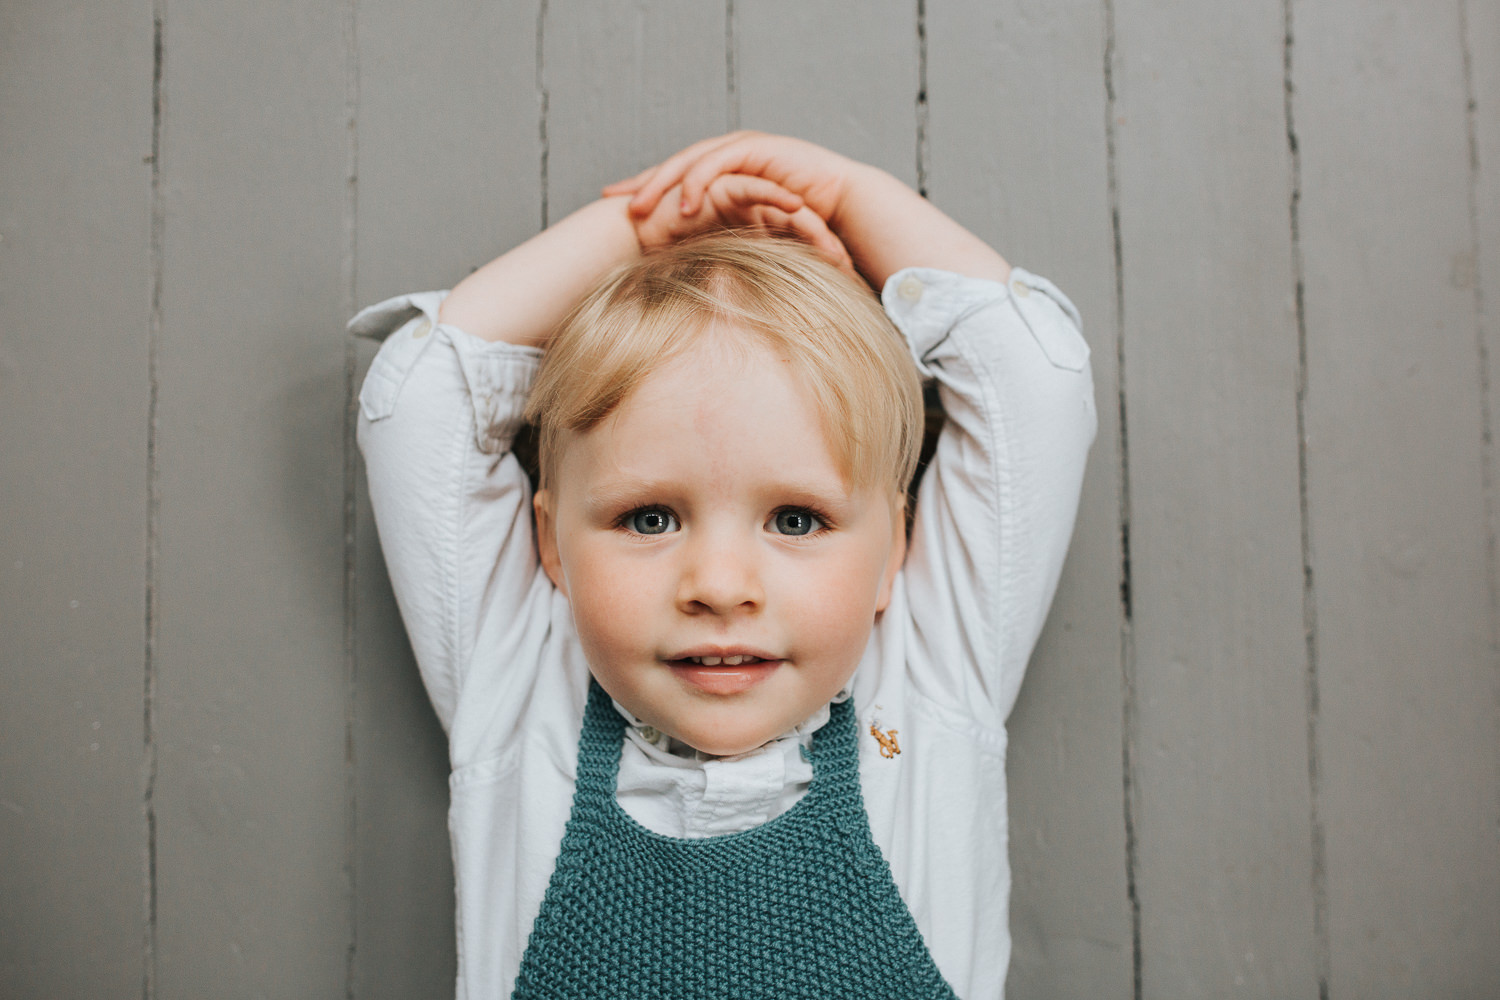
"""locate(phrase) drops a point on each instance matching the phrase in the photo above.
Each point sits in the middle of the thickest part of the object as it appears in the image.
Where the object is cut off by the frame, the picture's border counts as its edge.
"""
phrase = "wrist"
(615, 230)
(520, 296)
(868, 219)
(862, 189)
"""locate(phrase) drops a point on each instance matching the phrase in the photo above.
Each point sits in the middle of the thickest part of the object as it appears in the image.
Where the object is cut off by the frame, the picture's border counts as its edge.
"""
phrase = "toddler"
(718, 728)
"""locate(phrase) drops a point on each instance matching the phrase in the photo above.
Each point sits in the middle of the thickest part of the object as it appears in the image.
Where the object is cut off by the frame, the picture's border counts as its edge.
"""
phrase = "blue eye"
(795, 522)
(650, 521)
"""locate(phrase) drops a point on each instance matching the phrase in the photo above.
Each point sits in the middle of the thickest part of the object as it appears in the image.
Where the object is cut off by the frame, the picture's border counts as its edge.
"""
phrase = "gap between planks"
(1319, 874)
(349, 483)
(156, 256)
(1127, 643)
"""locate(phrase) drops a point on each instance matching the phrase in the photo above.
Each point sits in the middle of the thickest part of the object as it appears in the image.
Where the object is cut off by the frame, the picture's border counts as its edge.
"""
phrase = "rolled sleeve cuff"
(926, 304)
(498, 375)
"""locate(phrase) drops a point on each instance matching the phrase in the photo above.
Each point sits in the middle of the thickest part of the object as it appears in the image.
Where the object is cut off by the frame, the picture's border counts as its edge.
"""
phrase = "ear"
(897, 556)
(546, 539)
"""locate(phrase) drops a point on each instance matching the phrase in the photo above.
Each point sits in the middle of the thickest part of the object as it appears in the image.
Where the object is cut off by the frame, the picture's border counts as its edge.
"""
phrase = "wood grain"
(1219, 726)
(449, 175)
(627, 85)
(1407, 732)
(252, 794)
(844, 75)
(1017, 152)
(75, 281)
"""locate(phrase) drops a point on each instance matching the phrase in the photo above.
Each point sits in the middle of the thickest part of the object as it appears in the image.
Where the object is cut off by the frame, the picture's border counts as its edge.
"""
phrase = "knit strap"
(802, 905)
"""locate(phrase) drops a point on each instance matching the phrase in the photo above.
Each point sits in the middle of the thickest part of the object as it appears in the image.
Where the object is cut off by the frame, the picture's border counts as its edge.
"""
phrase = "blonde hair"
(828, 326)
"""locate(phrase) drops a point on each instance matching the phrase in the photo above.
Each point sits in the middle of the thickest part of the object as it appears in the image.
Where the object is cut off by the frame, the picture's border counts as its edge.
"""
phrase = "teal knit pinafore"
(801, 906)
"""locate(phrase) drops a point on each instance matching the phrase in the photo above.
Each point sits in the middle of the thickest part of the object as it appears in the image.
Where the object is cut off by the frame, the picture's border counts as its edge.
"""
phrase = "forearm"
(887, 226)
(521, 296)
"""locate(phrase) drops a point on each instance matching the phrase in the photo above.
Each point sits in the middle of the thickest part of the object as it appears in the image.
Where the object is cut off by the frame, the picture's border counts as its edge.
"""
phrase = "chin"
(724, 743)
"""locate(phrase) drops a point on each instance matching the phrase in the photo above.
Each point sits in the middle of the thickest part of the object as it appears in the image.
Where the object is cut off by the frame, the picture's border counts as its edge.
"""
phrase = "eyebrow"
(611, 496)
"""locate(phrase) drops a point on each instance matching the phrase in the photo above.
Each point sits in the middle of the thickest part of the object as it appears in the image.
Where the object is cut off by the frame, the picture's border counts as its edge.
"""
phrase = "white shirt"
(501, 661)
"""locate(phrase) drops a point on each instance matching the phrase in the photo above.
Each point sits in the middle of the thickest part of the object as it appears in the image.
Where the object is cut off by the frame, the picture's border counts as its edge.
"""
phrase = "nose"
(720, 574)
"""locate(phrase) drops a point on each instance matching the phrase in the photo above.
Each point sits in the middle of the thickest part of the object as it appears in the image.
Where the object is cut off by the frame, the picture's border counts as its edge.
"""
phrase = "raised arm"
(885, 225)
(521, 296)
(893, 227)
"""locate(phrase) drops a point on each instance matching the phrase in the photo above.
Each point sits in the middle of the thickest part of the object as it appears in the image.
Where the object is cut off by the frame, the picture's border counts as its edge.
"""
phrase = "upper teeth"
(730, 661)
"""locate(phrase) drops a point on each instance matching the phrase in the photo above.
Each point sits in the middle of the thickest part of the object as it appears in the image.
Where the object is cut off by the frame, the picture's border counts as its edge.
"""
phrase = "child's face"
(705, 517)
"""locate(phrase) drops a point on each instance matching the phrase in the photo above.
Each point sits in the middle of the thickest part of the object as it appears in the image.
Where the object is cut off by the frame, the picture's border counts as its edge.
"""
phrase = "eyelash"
(821, 522)
(624, 521)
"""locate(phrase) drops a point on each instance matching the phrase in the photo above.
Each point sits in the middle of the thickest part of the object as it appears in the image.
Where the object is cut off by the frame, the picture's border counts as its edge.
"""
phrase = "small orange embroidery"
(887, 740)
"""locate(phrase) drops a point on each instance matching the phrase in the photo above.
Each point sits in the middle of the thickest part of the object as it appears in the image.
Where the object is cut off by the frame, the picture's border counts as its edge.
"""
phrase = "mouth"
(725, 673)
(734, 660)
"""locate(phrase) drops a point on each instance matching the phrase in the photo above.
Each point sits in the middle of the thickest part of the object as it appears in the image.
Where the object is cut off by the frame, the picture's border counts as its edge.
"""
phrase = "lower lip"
(724, 680)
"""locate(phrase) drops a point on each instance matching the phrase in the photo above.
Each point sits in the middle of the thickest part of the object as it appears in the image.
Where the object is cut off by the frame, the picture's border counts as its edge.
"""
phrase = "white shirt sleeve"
(996, 507)
(437, 414)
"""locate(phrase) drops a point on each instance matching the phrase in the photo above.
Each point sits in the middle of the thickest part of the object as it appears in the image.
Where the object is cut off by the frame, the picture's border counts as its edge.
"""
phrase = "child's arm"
(885, 224)
(521, 296)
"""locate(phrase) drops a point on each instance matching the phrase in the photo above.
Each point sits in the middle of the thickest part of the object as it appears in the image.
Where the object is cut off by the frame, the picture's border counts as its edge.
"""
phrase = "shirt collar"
(652, 738)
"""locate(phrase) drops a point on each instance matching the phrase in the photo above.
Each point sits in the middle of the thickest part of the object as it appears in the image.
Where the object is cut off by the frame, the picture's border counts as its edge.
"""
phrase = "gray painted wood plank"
(1218, 738)
(1017, 151)
(252, 795)
(449, 140)
(75, 280)
(1408, 740)
(628, 84)
(1483, 47)
(844, 75)
(448, 176)
(403, 865)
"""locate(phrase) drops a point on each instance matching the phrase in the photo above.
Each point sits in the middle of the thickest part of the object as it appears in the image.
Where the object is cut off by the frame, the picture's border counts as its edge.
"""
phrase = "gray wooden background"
(1259, 750)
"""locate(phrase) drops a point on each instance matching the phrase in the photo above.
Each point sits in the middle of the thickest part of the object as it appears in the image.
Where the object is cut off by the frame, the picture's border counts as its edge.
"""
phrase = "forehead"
(726, 407)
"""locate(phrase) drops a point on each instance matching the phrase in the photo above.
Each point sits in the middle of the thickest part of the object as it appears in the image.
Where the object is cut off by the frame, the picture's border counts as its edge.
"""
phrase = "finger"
(810, 228)
(770, 218)
(735, 193)
(737, 157)
(670, 171)
(789, 224)
(807, 226)
(664, 224)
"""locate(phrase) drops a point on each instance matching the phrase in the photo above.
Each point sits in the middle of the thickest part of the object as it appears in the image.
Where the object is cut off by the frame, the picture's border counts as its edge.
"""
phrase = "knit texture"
(801, 906)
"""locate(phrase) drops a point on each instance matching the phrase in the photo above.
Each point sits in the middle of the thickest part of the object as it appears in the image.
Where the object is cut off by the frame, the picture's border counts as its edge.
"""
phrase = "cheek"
(837, 599)
(609, 602)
